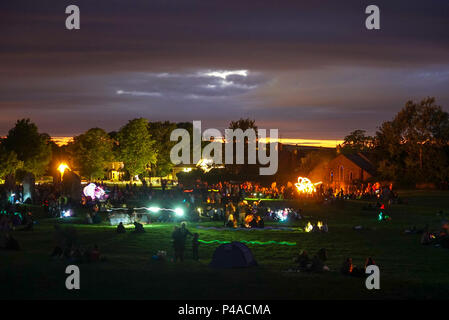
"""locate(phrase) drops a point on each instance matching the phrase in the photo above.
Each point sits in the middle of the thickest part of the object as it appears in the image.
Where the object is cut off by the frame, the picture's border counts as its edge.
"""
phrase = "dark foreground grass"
(408, 269)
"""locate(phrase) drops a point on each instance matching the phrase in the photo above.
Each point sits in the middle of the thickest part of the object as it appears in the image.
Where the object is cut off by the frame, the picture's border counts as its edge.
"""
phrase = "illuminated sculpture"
(93, 191)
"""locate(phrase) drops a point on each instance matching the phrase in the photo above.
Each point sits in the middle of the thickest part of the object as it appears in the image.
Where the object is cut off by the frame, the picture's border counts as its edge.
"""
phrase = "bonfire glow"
(304, 185)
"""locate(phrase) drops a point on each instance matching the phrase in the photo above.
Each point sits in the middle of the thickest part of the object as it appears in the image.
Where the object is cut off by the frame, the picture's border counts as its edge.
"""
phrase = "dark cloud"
(314, 70)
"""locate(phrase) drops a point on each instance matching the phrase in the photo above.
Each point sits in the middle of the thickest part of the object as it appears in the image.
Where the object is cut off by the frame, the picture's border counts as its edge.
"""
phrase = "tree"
(136, 146)
(243, 170)
(32, 148)
(357, 141)
(413, 147)
(160, 132)
(91, 152)
(8, 162)
(243, 124)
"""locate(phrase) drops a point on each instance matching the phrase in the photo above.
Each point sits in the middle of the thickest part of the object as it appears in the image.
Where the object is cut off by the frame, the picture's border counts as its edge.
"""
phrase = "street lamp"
(62, 167)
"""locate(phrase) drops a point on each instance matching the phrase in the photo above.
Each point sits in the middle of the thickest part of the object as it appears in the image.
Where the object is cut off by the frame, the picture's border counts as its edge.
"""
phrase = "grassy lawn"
(408, 269)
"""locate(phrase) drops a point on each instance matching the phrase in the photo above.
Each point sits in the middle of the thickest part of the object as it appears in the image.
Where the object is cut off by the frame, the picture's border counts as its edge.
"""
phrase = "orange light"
(62, 168)
(304, 185)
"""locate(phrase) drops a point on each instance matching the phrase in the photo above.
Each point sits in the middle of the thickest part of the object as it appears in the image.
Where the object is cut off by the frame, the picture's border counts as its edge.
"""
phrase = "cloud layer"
(310, 69)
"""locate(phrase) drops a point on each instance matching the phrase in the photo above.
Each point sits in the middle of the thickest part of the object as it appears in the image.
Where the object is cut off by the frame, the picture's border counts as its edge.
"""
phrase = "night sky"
(309, 68)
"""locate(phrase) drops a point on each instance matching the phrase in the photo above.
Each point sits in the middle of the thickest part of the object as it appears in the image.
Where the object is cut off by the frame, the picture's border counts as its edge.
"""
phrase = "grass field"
(408, 269)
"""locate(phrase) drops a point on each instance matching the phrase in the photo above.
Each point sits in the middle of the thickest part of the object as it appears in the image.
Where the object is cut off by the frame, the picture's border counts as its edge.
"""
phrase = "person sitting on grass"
(303, 261)
(138, 227)
(317, 263)
(348, 268)
(369, 262)
(121, 228)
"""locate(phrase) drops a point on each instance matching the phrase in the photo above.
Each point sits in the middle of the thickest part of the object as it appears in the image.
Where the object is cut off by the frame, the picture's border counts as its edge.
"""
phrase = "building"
(346, 169)
(115, 171)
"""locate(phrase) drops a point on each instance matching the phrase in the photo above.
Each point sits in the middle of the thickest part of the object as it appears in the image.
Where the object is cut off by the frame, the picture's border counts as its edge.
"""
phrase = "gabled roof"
(361, 161)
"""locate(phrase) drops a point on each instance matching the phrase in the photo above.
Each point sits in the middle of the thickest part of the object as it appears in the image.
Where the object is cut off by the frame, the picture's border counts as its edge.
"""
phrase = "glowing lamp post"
(62, 168)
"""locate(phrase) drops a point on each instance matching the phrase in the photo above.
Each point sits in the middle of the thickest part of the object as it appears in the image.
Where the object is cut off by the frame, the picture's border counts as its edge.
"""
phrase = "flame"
(304, 185)
(319, 225)
(308, 227)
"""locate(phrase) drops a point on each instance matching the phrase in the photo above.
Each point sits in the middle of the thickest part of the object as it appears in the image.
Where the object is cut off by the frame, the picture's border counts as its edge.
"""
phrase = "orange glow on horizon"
(61, 141)
(325, 143)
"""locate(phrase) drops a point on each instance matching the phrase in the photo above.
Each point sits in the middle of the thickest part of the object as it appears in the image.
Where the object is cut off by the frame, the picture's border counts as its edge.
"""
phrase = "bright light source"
(308, 227)
(67, 213)
(62, 168)
(154, 209)
(179, 212)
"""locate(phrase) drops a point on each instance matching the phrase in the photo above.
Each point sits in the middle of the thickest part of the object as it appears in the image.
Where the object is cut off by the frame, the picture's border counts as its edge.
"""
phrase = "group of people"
(179, 236)
(16, 219)
(67, 247)
(349, 269)
(312, 264)
(305, 263)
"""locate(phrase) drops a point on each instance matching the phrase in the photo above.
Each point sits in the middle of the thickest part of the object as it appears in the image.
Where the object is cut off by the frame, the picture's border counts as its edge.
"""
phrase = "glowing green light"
(286, 243)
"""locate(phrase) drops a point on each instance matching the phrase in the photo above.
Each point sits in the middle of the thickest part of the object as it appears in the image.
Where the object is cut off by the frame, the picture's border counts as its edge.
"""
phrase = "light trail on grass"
(286, 243)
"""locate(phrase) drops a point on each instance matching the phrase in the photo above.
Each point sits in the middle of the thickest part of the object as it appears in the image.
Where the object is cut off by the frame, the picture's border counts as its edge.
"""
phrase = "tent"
(233, 255)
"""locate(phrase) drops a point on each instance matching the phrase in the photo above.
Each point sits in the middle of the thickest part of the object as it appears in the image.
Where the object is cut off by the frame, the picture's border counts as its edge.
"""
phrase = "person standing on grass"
(176, 236)
(179, 236)
(195, 246)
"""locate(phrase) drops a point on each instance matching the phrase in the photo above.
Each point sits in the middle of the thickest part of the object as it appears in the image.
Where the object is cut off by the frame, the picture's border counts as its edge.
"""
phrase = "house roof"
(362, 161)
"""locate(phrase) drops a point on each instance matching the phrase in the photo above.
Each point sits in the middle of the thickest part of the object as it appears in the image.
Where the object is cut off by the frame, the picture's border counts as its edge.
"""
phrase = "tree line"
(411, 148)
(141, 145)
